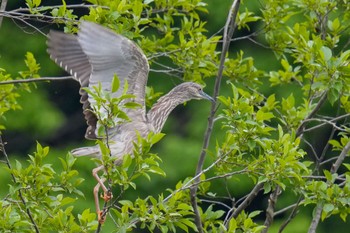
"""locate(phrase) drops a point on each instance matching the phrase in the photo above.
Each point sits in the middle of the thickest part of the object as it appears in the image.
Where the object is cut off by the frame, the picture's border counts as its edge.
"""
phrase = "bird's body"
(94, 56)
(121, 140)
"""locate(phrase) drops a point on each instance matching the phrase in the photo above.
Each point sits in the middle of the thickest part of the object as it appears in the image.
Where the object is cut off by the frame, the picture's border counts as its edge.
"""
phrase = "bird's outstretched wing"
(94, 56)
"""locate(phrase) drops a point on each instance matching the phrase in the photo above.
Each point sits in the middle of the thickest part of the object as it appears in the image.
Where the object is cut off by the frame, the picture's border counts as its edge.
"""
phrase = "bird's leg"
(107, 193)
(96, 189)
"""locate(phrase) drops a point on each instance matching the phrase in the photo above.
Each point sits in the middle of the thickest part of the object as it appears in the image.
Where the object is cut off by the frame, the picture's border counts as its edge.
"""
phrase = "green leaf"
(328, 208)
(156, 138)
(333, 95)
(263, 116)
(326, 53)
(157, 170)
(115, 83)
(127, 160)
(232, 225)
(254, 213)
(328, 175)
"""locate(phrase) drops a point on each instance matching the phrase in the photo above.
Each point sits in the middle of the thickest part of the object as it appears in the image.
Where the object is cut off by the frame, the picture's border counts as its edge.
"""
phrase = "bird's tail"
(86, 151)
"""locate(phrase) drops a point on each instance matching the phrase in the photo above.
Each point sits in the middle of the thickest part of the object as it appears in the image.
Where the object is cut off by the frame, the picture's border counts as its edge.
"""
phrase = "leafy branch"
(27, 210)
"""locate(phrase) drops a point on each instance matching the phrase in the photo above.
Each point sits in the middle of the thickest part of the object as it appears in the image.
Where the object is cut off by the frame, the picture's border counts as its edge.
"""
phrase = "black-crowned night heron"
(94, 56)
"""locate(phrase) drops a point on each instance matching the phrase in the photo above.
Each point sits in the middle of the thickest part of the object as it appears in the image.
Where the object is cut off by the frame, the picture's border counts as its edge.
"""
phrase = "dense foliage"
(278, 152)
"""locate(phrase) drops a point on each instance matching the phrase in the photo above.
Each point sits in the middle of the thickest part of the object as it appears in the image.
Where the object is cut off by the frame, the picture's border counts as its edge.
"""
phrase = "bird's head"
(191, 90)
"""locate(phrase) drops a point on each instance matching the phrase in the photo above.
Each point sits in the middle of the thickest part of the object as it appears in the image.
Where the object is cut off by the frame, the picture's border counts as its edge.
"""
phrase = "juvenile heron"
(94, 56)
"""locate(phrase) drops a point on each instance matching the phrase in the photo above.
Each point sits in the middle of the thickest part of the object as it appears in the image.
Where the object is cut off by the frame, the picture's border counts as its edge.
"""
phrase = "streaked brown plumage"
(93, 56)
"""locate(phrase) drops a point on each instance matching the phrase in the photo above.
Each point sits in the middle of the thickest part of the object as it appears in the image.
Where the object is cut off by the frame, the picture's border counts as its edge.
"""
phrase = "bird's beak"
(206, 96)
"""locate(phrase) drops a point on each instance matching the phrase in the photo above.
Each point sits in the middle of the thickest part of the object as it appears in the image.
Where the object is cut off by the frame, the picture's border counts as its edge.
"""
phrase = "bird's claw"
(101, 217)
(107, 196)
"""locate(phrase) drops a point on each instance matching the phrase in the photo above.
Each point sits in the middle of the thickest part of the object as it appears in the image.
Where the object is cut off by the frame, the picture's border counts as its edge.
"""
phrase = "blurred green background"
(51, 114)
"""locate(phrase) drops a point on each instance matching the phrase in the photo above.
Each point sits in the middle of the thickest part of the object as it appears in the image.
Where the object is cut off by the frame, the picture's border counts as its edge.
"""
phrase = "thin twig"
(326, 147)
(291, 216)
(281, 211)
(24, 20)
(327, 122)
(324, 122)
(196, 178)
(68, 6)
(33, 80)
(312, 148)
(323, 98)
(29, 213)
(228, 32)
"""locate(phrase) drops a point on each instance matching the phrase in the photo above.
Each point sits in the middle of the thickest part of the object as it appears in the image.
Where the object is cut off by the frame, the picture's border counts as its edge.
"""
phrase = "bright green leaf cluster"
(46, 194)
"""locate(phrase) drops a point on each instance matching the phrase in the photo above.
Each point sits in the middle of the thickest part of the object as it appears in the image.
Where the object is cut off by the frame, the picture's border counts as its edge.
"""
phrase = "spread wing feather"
(94, 56)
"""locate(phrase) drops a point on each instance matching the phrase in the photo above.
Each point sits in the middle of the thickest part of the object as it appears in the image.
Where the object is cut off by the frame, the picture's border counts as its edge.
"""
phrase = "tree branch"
(245, 203)
(291, 216)
(271, 209)
(248, 200)
(2, 148)
(316, 218)
(228, 32)
(341, 158)
(33, 80)
(312, 113)
(2, 8)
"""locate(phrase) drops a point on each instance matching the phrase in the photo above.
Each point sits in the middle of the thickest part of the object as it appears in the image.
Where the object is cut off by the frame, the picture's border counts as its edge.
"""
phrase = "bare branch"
(291, 216)
(2, 8)
(327, 122)
(312, 148)
(245, 203)
(281, 211)
(341, 158)
(271, 208)
(34, 80)
(196, 178)
(29, 213)
(316, 218)
(248, 200)
(323, 98)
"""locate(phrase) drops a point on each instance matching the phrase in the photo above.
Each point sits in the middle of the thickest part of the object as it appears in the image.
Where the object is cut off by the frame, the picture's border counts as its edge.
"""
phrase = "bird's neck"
(160, 111)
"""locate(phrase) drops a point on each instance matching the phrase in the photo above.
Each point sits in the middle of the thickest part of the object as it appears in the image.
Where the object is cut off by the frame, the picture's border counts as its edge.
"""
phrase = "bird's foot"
(107, 196)
(101, 217)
